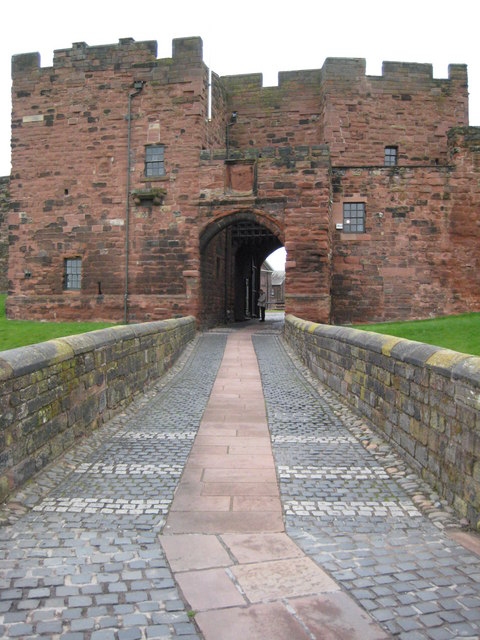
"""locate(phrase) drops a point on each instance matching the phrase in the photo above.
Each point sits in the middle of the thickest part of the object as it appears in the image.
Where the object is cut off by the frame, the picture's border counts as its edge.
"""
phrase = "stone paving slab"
(241, 488)
(250, 548)
(224, 521)
(326, 617)
(193, 551)
(277, 579)
(332, 616)
(231, 579)
(256, 623)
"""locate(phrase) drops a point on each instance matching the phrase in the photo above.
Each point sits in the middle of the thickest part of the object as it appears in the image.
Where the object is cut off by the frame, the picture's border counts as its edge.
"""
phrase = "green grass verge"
(19, 333)
(459, 333)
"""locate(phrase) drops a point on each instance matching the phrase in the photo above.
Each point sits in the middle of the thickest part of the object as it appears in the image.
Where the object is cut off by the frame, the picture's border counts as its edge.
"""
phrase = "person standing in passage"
(262, 303)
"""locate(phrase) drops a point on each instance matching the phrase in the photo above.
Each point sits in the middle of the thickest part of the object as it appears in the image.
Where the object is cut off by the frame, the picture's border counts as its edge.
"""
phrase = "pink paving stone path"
(224, 538)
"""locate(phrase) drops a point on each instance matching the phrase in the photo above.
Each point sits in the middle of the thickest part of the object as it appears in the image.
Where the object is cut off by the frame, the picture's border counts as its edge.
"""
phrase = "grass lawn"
(459, 333)
(19, 333)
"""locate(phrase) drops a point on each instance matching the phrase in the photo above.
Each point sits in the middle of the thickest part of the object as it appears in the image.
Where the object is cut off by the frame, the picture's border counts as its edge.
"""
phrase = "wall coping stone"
(24, 360)
(443, 361)
(468, 369)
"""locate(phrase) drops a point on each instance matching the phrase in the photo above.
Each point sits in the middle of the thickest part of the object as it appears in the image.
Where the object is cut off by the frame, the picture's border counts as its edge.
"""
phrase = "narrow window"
(391, 156)
(154, 161)
(72, 275)
(354, 217)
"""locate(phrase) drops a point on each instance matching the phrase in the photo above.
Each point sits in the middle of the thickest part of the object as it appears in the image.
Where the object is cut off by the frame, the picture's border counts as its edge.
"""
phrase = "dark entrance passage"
(233, 250)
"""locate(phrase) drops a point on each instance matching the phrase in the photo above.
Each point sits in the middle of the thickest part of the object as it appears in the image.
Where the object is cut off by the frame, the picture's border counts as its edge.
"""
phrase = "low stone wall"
(425, 400)
(55, 392)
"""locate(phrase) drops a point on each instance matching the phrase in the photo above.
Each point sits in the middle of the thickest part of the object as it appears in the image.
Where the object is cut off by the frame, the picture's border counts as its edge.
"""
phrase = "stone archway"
(232, 250)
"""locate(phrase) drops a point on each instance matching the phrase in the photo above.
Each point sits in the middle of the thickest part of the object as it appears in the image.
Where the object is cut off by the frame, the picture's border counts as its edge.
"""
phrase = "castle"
(147, 188)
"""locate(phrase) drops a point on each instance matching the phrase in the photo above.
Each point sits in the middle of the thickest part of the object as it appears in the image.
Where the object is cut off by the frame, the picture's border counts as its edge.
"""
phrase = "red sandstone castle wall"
(282, 127)
(400, 266)
(68, 185)
(404, 107)
(420, 254)
(355, 114)
(287, 162)
(464, 227)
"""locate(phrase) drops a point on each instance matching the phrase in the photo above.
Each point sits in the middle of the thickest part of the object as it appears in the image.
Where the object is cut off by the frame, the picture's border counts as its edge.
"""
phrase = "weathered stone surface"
(56, 392)
(423, 398)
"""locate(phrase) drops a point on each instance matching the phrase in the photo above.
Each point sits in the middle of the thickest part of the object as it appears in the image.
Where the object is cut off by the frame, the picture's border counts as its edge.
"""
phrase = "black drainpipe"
(138, 86)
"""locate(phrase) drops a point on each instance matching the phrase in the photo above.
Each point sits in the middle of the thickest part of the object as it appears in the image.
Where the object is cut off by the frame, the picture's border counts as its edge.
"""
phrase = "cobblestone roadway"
(85, 562)
(80, 558)
(355, 509)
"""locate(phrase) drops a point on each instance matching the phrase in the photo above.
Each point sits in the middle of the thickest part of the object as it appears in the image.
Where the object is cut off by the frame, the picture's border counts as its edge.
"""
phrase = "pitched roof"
(278, 277)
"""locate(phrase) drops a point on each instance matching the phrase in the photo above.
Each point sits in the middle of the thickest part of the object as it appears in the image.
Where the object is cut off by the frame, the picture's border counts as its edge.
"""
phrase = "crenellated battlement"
(121, 55)
(337, 70)
(127, 53)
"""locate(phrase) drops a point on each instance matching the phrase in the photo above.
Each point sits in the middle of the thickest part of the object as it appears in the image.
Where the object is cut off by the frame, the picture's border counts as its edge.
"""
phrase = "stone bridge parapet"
(424, 399)
(55, 392)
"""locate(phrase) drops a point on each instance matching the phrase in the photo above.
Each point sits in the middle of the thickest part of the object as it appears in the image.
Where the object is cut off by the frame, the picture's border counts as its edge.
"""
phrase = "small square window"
(154, 161)
(354, 217)
(72, 274)
(391, 156)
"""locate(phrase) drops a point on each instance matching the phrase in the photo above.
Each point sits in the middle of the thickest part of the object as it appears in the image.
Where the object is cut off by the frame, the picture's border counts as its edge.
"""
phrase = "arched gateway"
(232, 250)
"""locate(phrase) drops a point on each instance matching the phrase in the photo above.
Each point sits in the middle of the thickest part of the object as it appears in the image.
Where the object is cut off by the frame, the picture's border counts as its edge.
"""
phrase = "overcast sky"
(250, 36)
